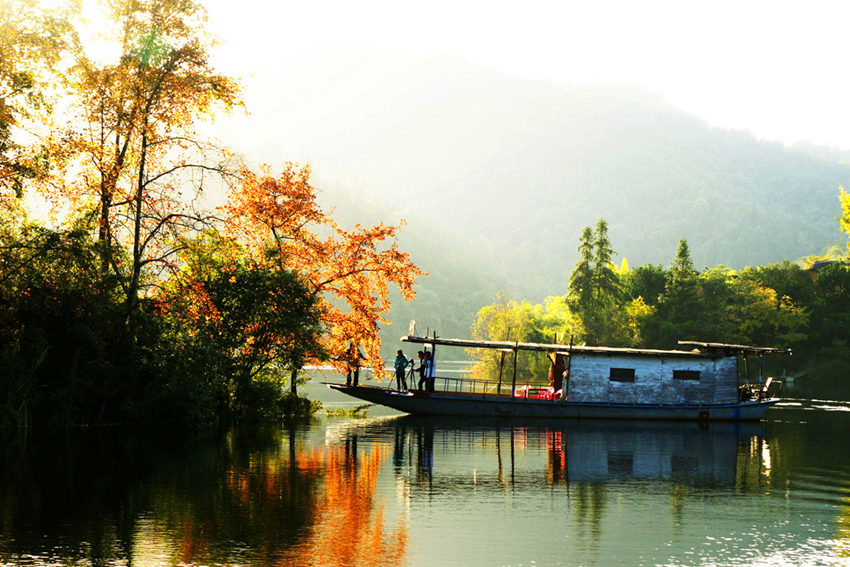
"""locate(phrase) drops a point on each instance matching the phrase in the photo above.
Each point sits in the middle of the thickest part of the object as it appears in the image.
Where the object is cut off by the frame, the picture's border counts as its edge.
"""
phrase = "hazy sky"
(778, 69)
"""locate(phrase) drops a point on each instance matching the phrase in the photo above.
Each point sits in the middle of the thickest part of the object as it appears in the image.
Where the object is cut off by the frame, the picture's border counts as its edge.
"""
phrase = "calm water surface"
(396, 490)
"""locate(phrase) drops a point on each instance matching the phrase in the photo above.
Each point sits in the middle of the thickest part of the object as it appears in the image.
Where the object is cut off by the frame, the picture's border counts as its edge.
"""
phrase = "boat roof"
(737, 349)
(700, 349)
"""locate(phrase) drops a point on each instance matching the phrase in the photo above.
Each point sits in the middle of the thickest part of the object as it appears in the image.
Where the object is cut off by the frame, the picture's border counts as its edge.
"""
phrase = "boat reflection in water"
(587, 492)
(579, 451)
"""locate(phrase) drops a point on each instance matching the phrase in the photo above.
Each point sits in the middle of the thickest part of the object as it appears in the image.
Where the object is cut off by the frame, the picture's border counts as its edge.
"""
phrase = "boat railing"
(470, 386)
(494, 388)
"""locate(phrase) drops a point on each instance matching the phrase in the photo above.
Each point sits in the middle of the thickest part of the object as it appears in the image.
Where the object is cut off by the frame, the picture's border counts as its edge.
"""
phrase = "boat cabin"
(705, 374)
(652, 377)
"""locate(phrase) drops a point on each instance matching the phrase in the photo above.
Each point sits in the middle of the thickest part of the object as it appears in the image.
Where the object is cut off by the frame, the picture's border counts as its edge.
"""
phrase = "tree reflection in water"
(348, 526)
(267, 497)
(584, 493)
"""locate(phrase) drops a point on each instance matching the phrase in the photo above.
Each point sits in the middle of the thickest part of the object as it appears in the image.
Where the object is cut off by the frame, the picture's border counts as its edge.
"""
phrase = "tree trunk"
(133, 288)
(293, 382)
(104, 235)
(107, 190)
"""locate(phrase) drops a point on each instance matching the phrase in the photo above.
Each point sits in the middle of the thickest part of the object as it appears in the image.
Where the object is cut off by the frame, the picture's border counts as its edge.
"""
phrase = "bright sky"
(776, 68)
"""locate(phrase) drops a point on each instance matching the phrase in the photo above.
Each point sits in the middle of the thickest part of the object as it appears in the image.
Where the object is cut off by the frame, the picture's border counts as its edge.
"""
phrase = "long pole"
(433, 377)
(501, 366)
(513, 384)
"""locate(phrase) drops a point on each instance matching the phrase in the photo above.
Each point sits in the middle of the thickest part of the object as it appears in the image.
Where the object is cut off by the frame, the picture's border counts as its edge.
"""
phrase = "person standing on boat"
(557, 370)
(431, 369)
(354, 357)
(423, 370)
(400, 365)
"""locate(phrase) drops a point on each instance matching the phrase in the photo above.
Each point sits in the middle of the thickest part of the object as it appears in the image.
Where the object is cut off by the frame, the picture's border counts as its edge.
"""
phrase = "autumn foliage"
(207, 307)
(348, 271)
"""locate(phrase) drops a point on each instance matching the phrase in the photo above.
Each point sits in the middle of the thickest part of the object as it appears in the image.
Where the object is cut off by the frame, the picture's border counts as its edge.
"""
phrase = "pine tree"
(581, 279)
(682, 271)
(605, 281)
(594, 295)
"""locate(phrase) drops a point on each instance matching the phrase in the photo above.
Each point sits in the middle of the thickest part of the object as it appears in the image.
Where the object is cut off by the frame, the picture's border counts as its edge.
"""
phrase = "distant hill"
(498, 175)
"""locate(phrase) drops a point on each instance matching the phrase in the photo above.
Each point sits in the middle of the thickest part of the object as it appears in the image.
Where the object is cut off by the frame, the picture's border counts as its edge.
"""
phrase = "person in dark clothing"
(400, 366)
(354, 357)
(423, 371)
(429, 357)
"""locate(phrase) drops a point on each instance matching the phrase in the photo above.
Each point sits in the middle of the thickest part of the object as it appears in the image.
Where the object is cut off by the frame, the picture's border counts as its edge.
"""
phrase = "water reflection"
(413, 491)
(582, 492)
(348, 525)
(693, 454)
(258, 497)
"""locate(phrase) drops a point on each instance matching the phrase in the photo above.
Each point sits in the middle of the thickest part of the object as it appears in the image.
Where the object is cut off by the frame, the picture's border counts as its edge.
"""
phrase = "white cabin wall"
(654, 383)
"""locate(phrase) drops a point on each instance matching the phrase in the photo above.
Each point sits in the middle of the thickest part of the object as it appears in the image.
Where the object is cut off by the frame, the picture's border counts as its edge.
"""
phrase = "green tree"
(844, 219)
(682, 272)
(606, 283)
(581, 289)
(788, 280)
(831, 315)
(507, 320)
(595, 292)
(647, 282)
(59, 332)
(244, 327)
(679, 309)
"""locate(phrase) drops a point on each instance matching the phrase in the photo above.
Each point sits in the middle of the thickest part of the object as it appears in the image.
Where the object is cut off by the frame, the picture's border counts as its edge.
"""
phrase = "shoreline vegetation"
(164, 282)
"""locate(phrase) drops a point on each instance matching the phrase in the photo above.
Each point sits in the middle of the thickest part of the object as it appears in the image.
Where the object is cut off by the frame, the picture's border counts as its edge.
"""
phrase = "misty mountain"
(498, 175)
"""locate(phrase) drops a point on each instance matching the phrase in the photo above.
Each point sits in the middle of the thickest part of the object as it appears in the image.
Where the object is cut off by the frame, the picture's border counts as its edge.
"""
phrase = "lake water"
(399, 490)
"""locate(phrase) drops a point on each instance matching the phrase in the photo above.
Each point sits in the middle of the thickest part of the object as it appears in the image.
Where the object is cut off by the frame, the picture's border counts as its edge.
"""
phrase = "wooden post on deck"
(513, 383)
(434, 366)
(433, 378)
(501, 366)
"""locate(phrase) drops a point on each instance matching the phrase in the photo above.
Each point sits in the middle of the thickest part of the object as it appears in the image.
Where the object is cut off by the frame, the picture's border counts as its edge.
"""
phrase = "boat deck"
(476, 400)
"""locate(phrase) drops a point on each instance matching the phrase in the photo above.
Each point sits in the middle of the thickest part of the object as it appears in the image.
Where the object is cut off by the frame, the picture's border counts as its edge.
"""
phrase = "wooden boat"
(700, 384)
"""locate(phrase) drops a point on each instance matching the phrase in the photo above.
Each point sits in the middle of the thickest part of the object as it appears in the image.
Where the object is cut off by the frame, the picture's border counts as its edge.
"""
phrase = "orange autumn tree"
(136, 164)
(349, 271)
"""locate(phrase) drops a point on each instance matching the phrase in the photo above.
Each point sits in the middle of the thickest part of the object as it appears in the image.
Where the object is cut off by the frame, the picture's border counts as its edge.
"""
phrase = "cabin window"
(622, 375)
(686, 375)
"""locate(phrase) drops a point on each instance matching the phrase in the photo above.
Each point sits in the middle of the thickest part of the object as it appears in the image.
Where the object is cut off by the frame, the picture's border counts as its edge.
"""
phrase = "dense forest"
(783, 305)
(125, 297)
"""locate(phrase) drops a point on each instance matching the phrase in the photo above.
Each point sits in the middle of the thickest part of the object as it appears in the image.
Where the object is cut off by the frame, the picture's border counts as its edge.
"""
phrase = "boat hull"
(453, 404)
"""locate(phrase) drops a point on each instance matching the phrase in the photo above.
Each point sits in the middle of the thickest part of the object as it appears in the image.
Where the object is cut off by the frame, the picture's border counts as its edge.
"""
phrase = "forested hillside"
(496, 175)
